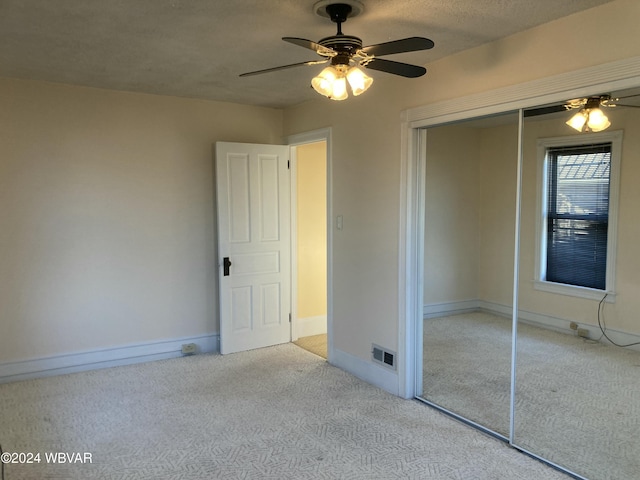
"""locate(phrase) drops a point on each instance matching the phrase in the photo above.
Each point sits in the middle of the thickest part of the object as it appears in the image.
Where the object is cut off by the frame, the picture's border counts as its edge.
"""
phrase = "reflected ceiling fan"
(590, 117)
(346, 54)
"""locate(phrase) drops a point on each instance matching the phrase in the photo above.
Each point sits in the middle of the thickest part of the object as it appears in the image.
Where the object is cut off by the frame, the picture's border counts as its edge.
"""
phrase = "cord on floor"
(602, 326)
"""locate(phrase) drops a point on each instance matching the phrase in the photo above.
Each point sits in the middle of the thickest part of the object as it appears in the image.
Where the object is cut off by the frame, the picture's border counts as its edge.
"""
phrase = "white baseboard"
(450, 308)
(311, 326)
(495, 308)
(104, 358)
(532, 318)
(562, 325)
(368, 371)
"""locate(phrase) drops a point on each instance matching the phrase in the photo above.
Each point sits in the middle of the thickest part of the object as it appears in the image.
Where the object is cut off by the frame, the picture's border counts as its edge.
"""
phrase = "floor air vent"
(384, 357)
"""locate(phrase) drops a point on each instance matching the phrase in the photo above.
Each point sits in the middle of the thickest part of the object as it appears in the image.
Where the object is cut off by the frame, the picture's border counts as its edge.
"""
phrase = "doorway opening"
(310, 252)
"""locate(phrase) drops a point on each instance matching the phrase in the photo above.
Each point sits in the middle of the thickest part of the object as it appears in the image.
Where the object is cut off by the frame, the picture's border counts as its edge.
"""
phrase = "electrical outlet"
(573, 326)
(188, 348)
(583, 332)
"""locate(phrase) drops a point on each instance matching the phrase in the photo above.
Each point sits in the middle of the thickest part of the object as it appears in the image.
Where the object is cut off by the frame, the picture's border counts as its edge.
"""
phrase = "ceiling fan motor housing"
(346, 46)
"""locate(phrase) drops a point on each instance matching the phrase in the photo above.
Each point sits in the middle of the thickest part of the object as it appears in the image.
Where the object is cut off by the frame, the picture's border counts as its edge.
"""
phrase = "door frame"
(293, 141)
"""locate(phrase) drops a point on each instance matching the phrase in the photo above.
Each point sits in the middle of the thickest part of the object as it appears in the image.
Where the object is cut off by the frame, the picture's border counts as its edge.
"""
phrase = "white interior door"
(253, 245)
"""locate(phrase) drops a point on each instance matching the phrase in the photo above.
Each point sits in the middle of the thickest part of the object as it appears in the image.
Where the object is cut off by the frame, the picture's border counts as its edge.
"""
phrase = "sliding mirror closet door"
(468, 259)
(577, 394)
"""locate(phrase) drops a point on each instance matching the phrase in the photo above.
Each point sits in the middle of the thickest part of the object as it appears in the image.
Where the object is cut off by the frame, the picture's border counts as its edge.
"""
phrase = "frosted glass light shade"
(578, 120)
(323, 83)
(597, 121)
(339, 89)
(358, 81)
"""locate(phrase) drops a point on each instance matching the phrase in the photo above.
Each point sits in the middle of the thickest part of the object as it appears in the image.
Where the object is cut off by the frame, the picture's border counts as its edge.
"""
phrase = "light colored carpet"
(467, 367)
(577, 400)
(315, 344)
(274, 413)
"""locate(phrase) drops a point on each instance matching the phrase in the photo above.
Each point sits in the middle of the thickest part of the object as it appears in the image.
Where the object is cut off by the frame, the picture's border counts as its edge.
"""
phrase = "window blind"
(578, 214)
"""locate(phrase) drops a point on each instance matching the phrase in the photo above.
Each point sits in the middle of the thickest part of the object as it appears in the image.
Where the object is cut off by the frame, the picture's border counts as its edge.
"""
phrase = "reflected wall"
(469, 208)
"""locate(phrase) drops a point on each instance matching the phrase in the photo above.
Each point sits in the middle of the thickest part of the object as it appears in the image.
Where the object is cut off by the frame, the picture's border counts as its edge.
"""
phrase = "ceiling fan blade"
(396, 68)
(316, 47)
(625, 105)
(628, 96)
(283, 67)
(411, 44)
(534, 112)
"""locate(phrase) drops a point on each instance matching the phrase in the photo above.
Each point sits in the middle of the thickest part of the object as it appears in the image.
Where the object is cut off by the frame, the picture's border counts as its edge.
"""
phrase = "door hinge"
(289, 318)
(288, 164)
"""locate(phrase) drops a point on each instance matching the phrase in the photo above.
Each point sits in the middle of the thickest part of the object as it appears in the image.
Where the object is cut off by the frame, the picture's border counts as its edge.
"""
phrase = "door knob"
(226, 264)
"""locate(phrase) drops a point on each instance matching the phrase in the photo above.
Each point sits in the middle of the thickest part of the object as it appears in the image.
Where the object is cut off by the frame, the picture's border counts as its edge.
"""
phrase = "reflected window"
(577, 214)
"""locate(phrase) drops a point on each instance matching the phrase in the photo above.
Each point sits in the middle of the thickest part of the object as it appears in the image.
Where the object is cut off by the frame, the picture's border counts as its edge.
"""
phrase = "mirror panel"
(468, 256)
(578, 395)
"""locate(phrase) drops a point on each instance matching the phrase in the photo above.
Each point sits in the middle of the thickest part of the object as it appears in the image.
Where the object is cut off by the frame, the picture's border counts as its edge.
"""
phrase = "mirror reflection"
(468, 257)
(578, 394)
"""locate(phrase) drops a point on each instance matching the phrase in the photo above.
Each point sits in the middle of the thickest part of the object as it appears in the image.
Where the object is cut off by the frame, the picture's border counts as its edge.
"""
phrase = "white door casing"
(253, 187)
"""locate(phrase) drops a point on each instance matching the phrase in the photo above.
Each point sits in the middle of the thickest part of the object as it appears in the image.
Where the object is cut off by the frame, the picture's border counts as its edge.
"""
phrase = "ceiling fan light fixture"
(358, 80)
(332, 83)
(590, 117)
(589, 120)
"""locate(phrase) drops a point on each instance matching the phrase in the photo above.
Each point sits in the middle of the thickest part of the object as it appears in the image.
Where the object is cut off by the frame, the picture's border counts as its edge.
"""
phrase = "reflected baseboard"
(532, 318)
(433, 310)
(562, 325)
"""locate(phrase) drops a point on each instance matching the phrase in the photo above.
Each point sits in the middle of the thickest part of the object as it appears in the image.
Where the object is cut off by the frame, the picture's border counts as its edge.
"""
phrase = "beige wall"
(365, 181)
(497, 178)
(452, 214)
(366, 148)
(312, 229)
(469, 214)
(107, 215)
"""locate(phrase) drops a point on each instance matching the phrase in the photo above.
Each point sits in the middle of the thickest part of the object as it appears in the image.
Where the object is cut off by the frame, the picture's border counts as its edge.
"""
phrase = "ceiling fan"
(589, 117)
(345, 54)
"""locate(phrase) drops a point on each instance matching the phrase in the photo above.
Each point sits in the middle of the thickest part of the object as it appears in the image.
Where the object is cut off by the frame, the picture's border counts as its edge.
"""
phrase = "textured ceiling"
(197, 48)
